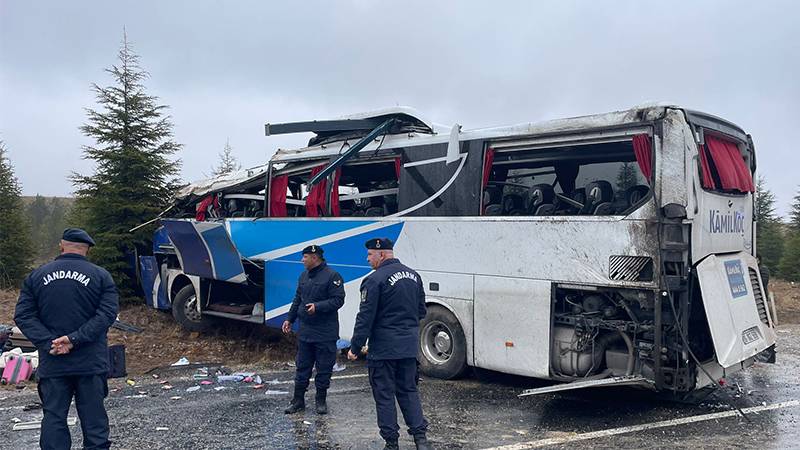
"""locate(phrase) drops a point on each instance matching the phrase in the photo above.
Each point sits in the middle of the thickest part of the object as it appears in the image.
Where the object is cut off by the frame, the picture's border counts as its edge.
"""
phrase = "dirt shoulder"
(163, 341)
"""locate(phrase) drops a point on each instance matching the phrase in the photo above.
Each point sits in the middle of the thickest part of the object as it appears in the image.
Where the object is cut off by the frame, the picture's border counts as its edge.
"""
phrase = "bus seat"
(374, 211)
(635, 194)
(539, 195)
(493, 210)
(604, 209)
(545, 210)
(512, 202)
(492, 195)
(597, 193)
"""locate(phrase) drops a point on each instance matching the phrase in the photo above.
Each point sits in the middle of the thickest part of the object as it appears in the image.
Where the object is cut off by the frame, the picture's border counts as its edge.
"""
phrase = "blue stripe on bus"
(347, 256)
(253, 237)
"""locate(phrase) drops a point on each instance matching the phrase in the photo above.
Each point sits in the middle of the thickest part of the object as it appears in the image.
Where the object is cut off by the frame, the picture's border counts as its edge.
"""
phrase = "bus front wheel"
(443, 348)
(184, 310)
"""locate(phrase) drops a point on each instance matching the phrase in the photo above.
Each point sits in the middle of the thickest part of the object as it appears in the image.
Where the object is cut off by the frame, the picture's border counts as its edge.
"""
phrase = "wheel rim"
(190, 309)
(437, 342)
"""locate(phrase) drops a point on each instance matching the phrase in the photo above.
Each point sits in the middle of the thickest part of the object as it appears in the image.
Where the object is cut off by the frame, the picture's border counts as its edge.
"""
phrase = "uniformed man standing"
(65, 309)
(320, 294)
(392, 304)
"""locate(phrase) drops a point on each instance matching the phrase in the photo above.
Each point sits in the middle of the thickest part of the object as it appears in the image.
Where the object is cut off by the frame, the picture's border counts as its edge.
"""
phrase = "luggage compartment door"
(205, 249)
(735, 307)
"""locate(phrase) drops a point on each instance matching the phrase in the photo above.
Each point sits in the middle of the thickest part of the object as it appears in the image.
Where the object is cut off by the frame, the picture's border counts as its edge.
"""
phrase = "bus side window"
(595, 179)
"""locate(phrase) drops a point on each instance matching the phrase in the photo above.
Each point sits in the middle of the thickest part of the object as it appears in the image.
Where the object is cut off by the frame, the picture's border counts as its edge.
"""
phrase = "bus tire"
(442, 346)
(185, 312)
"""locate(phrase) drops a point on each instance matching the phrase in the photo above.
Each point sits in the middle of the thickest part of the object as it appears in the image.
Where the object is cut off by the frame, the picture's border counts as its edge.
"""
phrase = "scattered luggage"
(18, 368)
(116, 361)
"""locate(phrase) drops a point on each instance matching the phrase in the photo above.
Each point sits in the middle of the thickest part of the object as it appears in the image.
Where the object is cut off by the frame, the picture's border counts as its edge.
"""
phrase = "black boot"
(422, 442)
(320, 399)
(298, 401)
(391, 445)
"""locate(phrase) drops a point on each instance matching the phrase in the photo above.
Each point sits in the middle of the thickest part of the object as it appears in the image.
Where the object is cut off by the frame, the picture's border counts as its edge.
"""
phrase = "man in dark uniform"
(320, 294)
(65, 308)
(392, 304)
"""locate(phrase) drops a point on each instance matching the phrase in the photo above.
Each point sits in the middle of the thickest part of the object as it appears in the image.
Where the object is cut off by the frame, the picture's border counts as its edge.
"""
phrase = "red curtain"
(277, 196)
(731, 168)
(208, 207)
(397, 166)
(315, 202)
(708, 180)
(488, 159)
(644, 155)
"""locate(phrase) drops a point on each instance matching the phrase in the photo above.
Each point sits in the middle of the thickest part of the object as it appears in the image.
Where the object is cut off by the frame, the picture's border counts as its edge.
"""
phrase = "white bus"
(609, 249)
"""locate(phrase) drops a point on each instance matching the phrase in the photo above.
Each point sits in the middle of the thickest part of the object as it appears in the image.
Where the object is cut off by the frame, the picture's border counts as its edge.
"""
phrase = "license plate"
(750, 335)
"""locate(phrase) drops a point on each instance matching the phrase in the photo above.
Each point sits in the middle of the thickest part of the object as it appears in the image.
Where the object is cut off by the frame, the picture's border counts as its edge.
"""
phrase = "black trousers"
(396, 379)
(319, 354)
(56, 394)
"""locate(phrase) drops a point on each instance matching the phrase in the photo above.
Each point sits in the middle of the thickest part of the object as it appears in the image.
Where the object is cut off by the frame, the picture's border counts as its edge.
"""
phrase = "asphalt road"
(479, 412)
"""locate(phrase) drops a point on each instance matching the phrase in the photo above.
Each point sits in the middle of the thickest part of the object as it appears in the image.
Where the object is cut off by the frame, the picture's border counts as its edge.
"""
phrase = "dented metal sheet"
(606, 382)
(205, 249)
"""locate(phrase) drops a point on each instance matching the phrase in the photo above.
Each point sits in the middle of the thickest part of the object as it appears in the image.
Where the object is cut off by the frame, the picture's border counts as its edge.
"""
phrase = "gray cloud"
(225, 69)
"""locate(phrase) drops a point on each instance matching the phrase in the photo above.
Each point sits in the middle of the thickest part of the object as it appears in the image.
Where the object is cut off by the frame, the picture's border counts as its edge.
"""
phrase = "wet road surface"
(479, 412)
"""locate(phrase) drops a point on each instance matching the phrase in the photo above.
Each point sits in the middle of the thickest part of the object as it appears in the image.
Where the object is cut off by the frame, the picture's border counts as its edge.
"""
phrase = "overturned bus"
(609, 249)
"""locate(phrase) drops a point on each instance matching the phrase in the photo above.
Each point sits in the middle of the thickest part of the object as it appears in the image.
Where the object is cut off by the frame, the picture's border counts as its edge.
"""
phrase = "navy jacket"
(68, 297)
(392, 304)
(323, 287)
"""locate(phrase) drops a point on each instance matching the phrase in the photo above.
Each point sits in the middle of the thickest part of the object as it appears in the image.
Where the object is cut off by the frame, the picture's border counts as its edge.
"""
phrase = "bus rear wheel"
(184, 310)
(442, 346)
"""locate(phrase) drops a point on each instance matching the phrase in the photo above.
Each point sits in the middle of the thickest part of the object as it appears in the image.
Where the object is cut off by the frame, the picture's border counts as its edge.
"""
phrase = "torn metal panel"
(606, 382)
(205, 249)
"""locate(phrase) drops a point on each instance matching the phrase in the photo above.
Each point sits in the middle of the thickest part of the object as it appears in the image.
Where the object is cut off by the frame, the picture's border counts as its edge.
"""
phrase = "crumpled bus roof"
(239, 179)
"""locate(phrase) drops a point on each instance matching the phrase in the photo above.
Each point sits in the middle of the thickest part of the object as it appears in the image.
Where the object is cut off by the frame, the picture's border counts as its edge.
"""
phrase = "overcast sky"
(226, 68)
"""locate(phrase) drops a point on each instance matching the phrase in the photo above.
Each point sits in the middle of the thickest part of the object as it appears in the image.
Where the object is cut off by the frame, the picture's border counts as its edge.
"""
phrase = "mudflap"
(205, 249)
(631, 380)
(738, 317)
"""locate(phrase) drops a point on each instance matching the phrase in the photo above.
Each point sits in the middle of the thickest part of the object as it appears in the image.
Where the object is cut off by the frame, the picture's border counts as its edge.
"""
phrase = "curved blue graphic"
(348, 256)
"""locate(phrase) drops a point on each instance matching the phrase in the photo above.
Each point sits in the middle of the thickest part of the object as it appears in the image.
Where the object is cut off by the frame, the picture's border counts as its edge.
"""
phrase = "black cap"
(379, 244)
(313, 249)
(77, 235)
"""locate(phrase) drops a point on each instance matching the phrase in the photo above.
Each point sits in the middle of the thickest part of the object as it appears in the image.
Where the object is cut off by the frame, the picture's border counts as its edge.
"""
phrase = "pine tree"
(227, 162)
(794, 214)
(626, 176)
(15, 248)
(789, 266)
(38, 212)
(769, 238)
(133, 178)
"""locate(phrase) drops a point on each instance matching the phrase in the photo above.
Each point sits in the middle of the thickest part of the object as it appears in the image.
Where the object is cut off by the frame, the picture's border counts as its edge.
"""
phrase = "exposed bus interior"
(595, 179)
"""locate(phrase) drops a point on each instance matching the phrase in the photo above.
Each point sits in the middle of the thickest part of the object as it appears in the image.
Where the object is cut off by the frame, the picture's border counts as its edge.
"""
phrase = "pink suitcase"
(17, 369)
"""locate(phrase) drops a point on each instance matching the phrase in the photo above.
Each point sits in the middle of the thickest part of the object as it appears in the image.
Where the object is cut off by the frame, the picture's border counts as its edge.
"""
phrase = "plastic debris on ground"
(275, 392)
(181, 362)
(37, 424)
(229, 378)
(32, 406)
(177, 397)
(219, 388)
(258, 386)
(131, 383)
(307, 422)
(206, 382)
(193, 389)
(162, 429)
(166, 387)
